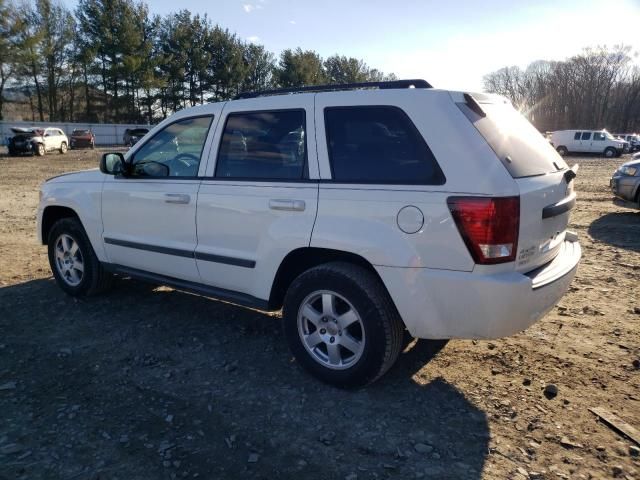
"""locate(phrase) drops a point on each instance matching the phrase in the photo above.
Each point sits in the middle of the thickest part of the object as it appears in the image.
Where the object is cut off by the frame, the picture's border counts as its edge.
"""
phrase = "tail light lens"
(488, 226)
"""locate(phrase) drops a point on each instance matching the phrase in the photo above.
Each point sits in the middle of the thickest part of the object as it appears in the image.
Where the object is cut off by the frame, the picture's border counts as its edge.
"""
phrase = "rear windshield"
(521, 148)
(139, 131)
(81, 132)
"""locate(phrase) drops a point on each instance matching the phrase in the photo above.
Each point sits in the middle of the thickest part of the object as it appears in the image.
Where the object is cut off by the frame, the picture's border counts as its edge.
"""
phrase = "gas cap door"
(410, 219)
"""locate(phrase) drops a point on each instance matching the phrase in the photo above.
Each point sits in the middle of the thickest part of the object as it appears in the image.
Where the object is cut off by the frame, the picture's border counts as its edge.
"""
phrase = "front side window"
(586, 135)
(577, 136)
(174, 151)
(263, 145)
(378, 145)
(598, 136)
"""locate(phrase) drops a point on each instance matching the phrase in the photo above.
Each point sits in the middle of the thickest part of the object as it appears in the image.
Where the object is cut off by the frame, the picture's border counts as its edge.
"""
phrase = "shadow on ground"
(154, 383)
(620, 229)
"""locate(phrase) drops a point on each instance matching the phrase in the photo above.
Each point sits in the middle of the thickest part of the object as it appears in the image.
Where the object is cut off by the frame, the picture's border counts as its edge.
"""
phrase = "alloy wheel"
(69, 261)
(331, 329)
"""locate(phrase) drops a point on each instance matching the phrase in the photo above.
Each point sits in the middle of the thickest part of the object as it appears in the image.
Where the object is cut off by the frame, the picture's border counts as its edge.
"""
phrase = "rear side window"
(577, 136)
(378, 144)
(263, 145)
(586, 135)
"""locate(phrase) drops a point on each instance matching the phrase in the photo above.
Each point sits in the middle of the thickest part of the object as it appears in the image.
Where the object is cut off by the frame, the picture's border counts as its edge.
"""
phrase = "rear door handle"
(178, 198)
(291, 205)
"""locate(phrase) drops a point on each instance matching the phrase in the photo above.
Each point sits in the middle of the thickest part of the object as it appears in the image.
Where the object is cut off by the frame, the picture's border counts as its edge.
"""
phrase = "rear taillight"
(489, 226)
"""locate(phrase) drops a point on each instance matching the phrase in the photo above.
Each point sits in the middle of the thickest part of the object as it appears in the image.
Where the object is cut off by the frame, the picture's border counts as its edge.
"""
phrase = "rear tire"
(63, 148)
(341, 324)
(562, 151)
(610, 152)
(39, 150)
(73, 262)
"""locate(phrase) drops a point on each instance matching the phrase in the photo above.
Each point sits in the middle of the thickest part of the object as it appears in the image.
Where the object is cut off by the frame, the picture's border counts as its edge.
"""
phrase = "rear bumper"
(442, 304)
(79, 143)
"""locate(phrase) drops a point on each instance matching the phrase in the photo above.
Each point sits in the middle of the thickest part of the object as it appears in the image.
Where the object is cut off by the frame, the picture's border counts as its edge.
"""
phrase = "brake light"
(488, 226)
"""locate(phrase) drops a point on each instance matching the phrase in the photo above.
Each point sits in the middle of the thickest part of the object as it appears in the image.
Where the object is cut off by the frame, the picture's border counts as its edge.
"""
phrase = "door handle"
(291, 205)
(177, 198)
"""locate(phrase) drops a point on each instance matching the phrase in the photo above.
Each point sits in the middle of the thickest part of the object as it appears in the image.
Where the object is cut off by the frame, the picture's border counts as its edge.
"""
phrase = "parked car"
(632, 138)
(133, 135)
(625, 184)
(587, 141)
(21, 141)
(626, 146)
(82, 138)
(358, 212)
(37, 140)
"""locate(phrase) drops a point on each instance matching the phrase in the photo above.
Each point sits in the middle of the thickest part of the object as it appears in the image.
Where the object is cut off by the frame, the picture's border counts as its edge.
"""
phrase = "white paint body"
(430, 275)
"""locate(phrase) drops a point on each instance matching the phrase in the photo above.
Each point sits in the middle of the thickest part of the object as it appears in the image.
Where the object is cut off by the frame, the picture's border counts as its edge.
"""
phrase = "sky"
(451, 44)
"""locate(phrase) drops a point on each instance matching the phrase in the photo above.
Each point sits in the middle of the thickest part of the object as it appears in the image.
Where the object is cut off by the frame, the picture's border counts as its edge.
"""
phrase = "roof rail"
(415, 83)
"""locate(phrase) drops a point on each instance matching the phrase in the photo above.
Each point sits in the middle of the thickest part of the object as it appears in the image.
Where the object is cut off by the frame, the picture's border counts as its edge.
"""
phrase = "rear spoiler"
(473, 104)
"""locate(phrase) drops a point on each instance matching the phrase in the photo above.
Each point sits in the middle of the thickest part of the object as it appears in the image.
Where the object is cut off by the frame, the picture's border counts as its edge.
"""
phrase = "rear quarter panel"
(362, 218)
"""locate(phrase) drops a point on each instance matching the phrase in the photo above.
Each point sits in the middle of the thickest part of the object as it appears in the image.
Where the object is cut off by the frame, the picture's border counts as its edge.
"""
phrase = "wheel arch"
(299, 260)
(51, 214)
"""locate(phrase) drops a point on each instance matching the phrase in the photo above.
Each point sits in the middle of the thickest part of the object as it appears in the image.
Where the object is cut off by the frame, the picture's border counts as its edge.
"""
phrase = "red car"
(82, 138)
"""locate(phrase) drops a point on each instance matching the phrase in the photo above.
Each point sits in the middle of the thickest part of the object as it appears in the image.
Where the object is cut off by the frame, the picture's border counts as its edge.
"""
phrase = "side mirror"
(113, 163)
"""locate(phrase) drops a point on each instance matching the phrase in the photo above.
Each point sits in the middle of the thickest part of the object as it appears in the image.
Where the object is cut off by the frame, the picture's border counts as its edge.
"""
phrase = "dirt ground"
(152, 383)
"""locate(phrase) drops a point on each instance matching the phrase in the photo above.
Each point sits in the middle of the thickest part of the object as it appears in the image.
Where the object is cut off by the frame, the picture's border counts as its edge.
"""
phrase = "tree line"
(114, 61)
(598, 88)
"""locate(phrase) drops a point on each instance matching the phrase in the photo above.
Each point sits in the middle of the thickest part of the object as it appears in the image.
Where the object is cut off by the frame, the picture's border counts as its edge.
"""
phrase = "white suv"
(52, 139)
(361, 210)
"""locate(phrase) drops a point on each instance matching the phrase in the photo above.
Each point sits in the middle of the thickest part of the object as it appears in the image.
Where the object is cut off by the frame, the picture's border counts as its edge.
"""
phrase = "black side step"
(230, 296)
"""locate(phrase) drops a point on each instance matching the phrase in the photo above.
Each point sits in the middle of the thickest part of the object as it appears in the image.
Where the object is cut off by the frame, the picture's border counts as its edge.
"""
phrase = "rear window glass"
(577, 136)
(378, 145)
(586, 135)
(519, 145)
(263, 145)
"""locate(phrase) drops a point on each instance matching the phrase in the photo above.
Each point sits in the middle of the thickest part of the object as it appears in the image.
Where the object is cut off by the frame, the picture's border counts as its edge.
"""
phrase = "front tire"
(610, 152)
(73, 262)
(63, 148)
(341, 324)
(562, 151)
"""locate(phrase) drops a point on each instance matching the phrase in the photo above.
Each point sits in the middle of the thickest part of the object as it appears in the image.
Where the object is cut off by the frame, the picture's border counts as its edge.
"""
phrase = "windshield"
(608, 135)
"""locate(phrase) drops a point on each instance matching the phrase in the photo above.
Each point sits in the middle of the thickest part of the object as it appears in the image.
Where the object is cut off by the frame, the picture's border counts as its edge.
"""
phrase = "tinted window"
(586, 135)
(599, 136)
(577, 136)
(268, 145)
(378, 145)
(174, 151)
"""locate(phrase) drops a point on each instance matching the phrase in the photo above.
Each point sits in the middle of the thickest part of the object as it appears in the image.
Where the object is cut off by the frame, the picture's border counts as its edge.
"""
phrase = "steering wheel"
(183, 162)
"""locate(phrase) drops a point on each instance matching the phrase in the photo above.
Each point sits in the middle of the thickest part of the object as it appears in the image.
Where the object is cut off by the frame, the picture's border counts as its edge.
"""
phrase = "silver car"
(625, 184)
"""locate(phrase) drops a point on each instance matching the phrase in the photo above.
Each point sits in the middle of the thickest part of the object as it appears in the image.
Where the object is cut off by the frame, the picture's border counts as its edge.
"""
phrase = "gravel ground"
(152, 383)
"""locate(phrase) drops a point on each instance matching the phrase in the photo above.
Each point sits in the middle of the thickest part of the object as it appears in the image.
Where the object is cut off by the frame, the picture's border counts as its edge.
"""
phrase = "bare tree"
(595, 89)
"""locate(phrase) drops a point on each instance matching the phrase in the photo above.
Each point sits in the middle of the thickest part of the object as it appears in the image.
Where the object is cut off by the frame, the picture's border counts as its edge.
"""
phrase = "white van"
(587, 141)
